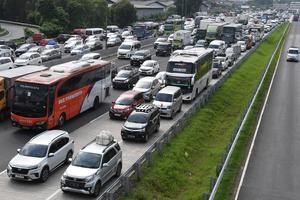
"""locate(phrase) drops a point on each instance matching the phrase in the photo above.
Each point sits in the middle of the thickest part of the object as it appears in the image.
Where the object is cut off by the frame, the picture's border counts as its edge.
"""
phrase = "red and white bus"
(47, 99)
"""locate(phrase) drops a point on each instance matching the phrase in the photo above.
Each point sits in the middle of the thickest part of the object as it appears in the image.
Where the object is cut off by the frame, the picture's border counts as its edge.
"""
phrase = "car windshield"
(123, 74)
(124, 101)
(164, 97)
(216, 65)
(148, 64)
(143, 84)
(213, 46)
(78, 48)
(140, 118)
(24, 46)
(293, 51)
(162, 46)
(87, 160)
(125, 46)
(34, 150)
(24, 56)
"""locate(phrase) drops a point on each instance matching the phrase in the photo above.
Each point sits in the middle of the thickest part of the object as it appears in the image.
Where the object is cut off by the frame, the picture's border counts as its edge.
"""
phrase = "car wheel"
(69, 155)
(97, 189)
(119, 170)
(157, 127)
(146, 137)
(44, 175)
(61, 120)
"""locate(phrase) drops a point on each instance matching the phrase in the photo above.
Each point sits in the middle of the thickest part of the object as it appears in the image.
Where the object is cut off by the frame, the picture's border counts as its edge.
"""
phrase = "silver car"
(169, 101)
(93, 166)
(149, 86)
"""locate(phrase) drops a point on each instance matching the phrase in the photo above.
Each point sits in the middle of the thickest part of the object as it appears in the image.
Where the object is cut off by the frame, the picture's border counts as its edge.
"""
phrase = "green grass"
(184, 169)
(231, 175)
(3, 32)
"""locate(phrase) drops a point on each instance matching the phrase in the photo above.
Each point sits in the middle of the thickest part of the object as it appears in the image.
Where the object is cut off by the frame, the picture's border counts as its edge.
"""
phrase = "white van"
(128, 48)
(218, 46)
(6, 63)
(99, 32)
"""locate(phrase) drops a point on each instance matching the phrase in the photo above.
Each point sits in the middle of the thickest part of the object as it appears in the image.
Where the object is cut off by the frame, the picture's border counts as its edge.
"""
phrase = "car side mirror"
(174, 100)
(51, 155)
(18, 150)
(105, 165)
(70, 160)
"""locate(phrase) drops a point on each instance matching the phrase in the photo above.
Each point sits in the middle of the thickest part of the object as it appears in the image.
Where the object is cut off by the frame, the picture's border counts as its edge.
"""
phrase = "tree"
(124, 13)
(187, 7)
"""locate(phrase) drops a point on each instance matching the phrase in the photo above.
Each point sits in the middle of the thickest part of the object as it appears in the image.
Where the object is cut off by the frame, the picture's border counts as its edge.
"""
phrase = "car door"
(156, 86)
(53, 160)
(60, 152)
(107, 171)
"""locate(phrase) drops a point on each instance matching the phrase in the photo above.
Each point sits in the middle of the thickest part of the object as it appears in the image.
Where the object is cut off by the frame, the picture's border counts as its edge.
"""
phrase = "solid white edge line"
(256, 130)
(3, 172)
(53, 194)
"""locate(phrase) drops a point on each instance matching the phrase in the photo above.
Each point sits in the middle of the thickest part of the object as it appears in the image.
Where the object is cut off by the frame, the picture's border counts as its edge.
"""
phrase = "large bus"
(173, 25)
(214, 31)
(191, 70)
(142, 31)
(47, 99)
(7, 83)
(232, 33)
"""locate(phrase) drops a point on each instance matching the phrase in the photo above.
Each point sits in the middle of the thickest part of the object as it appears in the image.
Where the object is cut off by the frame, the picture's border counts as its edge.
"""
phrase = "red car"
(125, 104)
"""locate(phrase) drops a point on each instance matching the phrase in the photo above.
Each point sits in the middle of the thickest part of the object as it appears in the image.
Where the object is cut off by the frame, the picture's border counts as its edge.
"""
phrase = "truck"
(181, 39)
(214, 31)
(203, 28)
(7, 81)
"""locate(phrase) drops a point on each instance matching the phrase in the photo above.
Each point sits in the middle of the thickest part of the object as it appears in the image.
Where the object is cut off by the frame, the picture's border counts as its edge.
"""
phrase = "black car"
(126, 78)
(23, 49)
(164, 49)
(61, 38)
(141, 123)
(217, 69)
(9, 43)
(139, 57)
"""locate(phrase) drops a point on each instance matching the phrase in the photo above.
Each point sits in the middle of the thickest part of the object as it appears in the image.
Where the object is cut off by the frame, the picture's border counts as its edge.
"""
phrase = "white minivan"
(128, 48)
(6, 63)
(218, 46)
(99, 32)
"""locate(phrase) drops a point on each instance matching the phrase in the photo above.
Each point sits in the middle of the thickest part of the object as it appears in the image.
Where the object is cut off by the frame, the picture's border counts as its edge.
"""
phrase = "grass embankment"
(232, 172)
(184, 169)
(3, 32)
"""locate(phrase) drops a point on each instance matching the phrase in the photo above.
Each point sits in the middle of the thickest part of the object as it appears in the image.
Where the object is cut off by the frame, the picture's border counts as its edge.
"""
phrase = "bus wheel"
(96, 103)
(61, 120)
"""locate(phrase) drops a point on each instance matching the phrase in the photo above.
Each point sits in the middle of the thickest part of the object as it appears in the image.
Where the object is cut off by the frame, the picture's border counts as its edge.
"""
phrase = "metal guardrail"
(123, 184)
(222, 167)
(20, 24)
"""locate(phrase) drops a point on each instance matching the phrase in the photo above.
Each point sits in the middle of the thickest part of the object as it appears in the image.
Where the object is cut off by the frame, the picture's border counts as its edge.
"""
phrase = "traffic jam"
(149, 73)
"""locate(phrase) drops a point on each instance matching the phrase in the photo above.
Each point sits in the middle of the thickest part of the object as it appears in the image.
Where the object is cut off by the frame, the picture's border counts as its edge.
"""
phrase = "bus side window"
(51, 99)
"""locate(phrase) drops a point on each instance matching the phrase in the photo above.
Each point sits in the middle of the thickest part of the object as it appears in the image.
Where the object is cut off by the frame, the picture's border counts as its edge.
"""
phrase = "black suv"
(139, 57)
(164, 49)
(141, 123)
(126, 78)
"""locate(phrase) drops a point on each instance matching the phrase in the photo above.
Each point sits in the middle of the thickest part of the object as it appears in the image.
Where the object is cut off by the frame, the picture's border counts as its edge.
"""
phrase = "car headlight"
(40, 122)
(126, 81)
(9, 167)
(143, 129)
(34, 167)
(89, 178)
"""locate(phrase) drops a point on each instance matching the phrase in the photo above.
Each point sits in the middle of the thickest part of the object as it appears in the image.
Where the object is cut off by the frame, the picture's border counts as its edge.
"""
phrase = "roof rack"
(145, 108)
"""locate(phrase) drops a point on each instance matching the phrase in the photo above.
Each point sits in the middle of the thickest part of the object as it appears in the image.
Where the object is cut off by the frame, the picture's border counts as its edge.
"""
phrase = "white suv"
(41, 155)
(93, 166)
(293, 54)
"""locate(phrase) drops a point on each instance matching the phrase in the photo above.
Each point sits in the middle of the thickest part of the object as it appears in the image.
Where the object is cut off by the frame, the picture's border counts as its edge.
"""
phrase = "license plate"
(118, 115)
(131, 136)
(19, 176)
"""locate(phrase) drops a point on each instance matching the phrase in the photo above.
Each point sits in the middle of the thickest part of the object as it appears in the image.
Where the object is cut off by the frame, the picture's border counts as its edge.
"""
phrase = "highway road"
(273, 171)
(15, 31)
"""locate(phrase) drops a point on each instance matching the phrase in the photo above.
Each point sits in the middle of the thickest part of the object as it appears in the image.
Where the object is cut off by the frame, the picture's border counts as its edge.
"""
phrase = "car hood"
(120, 107)
(69, 45)
(25, 161)
(292, 55)
(141, 89)
(76, 51)
(134, 125)
(124, 50)
(79, 172)
(162, 104)
(21, 50)
(137, 57)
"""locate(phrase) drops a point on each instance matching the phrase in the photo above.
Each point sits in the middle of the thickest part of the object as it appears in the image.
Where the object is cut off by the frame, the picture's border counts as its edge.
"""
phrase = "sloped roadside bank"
(184, 169)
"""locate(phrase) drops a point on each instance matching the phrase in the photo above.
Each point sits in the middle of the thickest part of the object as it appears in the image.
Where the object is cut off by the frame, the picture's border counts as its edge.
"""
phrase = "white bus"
(191, 70)
(99, 32)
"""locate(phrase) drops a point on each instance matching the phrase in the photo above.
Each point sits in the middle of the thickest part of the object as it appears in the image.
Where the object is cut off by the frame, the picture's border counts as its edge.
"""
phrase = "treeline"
(59, 16)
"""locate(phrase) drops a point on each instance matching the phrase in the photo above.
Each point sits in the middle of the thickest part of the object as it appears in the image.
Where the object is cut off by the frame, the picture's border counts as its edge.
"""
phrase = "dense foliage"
(187, 7)
(57, 16)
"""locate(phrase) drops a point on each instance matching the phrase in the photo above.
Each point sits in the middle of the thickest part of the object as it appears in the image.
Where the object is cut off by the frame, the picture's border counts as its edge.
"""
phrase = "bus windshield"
(180, 67)
(30, 100)
(229, 30)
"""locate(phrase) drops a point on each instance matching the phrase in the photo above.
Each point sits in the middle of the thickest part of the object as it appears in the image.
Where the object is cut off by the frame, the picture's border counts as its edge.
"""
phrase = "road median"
(185, 168)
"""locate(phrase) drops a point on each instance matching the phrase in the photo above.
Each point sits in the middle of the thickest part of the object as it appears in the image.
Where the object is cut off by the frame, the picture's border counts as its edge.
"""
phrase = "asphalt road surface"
(15, 31)
(273, 172)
